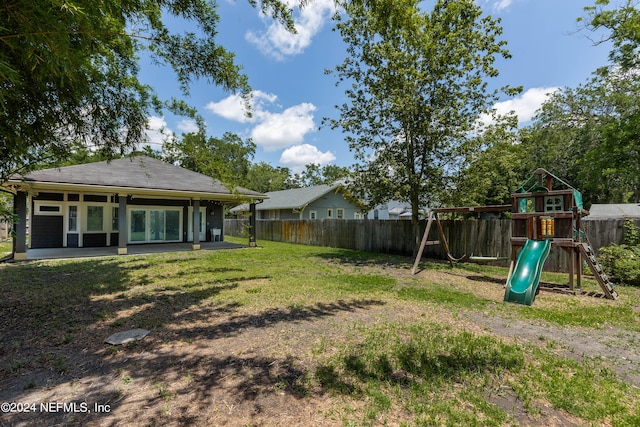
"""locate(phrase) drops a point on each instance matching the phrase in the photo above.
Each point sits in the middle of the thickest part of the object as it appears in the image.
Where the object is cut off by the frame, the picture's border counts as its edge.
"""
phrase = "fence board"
(468, 237)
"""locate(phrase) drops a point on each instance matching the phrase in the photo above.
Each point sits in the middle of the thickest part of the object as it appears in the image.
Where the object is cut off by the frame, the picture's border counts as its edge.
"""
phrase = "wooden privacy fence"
(465, 237)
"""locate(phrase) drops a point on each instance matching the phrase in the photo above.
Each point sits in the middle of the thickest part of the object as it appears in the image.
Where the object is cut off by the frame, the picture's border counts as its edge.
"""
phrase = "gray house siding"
(331, 202)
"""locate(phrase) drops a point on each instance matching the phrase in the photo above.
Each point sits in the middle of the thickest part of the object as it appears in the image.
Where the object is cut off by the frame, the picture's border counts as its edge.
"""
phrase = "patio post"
(20, 226)
(122, 224)
(196, 225)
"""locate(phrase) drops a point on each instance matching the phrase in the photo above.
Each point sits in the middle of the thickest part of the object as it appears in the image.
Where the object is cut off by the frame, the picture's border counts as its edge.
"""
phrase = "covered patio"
(122, 206)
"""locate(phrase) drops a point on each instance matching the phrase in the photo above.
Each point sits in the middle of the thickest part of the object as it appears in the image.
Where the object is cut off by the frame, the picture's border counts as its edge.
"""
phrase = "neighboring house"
(614, 211)
(393, 209)
(126, 201)
(316, 202)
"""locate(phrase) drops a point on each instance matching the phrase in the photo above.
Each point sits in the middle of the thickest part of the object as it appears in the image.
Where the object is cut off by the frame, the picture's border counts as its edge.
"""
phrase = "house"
(614, 211)
(123, 202)
(315, 202)
(393, 209)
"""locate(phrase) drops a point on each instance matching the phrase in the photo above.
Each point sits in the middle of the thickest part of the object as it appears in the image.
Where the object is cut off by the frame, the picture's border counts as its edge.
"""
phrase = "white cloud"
(231, 108)
(234, 107)
(525, 105)
(157, 132)
(272, 130)
(298, 156)
(188, 126)
(280, 130)
(499, 5)
(277, 42)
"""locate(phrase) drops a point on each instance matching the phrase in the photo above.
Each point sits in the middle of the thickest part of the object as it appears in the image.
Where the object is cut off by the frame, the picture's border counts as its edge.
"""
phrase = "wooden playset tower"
(540, 212)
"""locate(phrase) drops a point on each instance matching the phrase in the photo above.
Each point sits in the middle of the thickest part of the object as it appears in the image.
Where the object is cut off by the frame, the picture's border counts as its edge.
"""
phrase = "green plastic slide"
(523, 283)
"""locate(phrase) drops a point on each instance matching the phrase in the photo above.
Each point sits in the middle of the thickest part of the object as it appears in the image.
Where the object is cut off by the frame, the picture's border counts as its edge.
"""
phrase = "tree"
(69, 71)
(494, 169)
(263, 177)
(227, 159)
(314, 174)
(623, 25)
(416, 90)
(590, 136)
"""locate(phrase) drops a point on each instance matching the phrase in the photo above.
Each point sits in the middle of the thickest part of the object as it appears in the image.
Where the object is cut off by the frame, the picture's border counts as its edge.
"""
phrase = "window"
(115, 219)
(138, 224)
(357, 215)
(156, 226)
(313, 214)
(172, 225)
(553, 203)
(95, 218)
(526, 204)
(340, 213)
(48, 209)
(73, 218)
(329, 213)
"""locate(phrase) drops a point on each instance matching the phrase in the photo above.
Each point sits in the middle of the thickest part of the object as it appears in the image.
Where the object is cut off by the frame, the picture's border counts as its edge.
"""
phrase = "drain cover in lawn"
(127, 336)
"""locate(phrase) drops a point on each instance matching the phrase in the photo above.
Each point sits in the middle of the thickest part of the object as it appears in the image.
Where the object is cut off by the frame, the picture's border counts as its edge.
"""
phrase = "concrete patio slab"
(70, 253)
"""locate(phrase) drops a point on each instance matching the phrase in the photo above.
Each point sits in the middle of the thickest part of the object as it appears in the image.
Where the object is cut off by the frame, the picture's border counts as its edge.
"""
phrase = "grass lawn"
(296, 335)
(5, 248)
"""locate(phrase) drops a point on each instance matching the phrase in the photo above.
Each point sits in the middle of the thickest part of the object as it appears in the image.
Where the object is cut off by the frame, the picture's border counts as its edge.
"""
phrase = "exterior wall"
(327, 207)
(318, 209)
(52, 223)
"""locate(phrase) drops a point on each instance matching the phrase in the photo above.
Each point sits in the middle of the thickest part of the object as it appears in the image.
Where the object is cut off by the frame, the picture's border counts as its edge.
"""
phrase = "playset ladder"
(603, 280)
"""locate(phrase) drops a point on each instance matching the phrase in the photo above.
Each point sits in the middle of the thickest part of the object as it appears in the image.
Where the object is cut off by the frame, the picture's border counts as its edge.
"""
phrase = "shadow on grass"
(359, 258)
(55, 317)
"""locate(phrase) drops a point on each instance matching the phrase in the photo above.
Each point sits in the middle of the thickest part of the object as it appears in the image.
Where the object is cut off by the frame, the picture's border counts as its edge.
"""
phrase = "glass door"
(138, 226)
(156, 225)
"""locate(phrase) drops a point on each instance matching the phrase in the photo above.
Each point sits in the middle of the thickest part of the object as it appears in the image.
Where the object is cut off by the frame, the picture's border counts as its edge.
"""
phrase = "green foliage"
(227, 159)
(314, 174)
(623, 24)
(494, 167)
(69, 71)
(263, 177)
(416, 86)
(621, 263)
(588, 136)
(631, 233)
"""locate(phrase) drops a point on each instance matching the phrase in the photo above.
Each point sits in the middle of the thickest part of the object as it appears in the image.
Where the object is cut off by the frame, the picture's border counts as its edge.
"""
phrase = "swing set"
(466, 257)
(542, 215)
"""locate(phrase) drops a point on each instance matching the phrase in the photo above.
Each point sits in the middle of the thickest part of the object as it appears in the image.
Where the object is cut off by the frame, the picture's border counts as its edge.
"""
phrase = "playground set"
(541, 217)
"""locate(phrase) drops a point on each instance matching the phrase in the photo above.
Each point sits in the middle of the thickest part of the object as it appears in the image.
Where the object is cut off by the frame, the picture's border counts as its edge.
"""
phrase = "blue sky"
(292, 93)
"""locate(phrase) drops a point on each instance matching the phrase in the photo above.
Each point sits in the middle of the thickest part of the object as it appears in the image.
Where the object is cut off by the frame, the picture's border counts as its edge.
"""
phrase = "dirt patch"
(619, 349)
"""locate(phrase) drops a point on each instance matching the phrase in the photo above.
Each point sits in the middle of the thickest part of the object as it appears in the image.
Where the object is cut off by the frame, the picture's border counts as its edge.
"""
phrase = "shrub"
(622, 263)
(631, 233)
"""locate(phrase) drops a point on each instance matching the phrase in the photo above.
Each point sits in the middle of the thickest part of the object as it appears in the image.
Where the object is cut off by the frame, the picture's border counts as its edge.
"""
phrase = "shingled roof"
(133, 175)
(295, 198)
(614, 211)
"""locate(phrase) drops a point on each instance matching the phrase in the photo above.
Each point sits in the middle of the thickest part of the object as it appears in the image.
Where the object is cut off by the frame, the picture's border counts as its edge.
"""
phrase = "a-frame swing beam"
(425, 241)
(443, 240)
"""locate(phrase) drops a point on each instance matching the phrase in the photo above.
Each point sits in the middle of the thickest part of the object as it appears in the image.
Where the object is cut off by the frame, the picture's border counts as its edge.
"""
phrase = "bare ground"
(219, 366)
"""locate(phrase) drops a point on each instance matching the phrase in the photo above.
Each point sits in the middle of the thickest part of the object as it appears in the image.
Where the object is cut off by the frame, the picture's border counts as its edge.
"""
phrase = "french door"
(154, 225)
